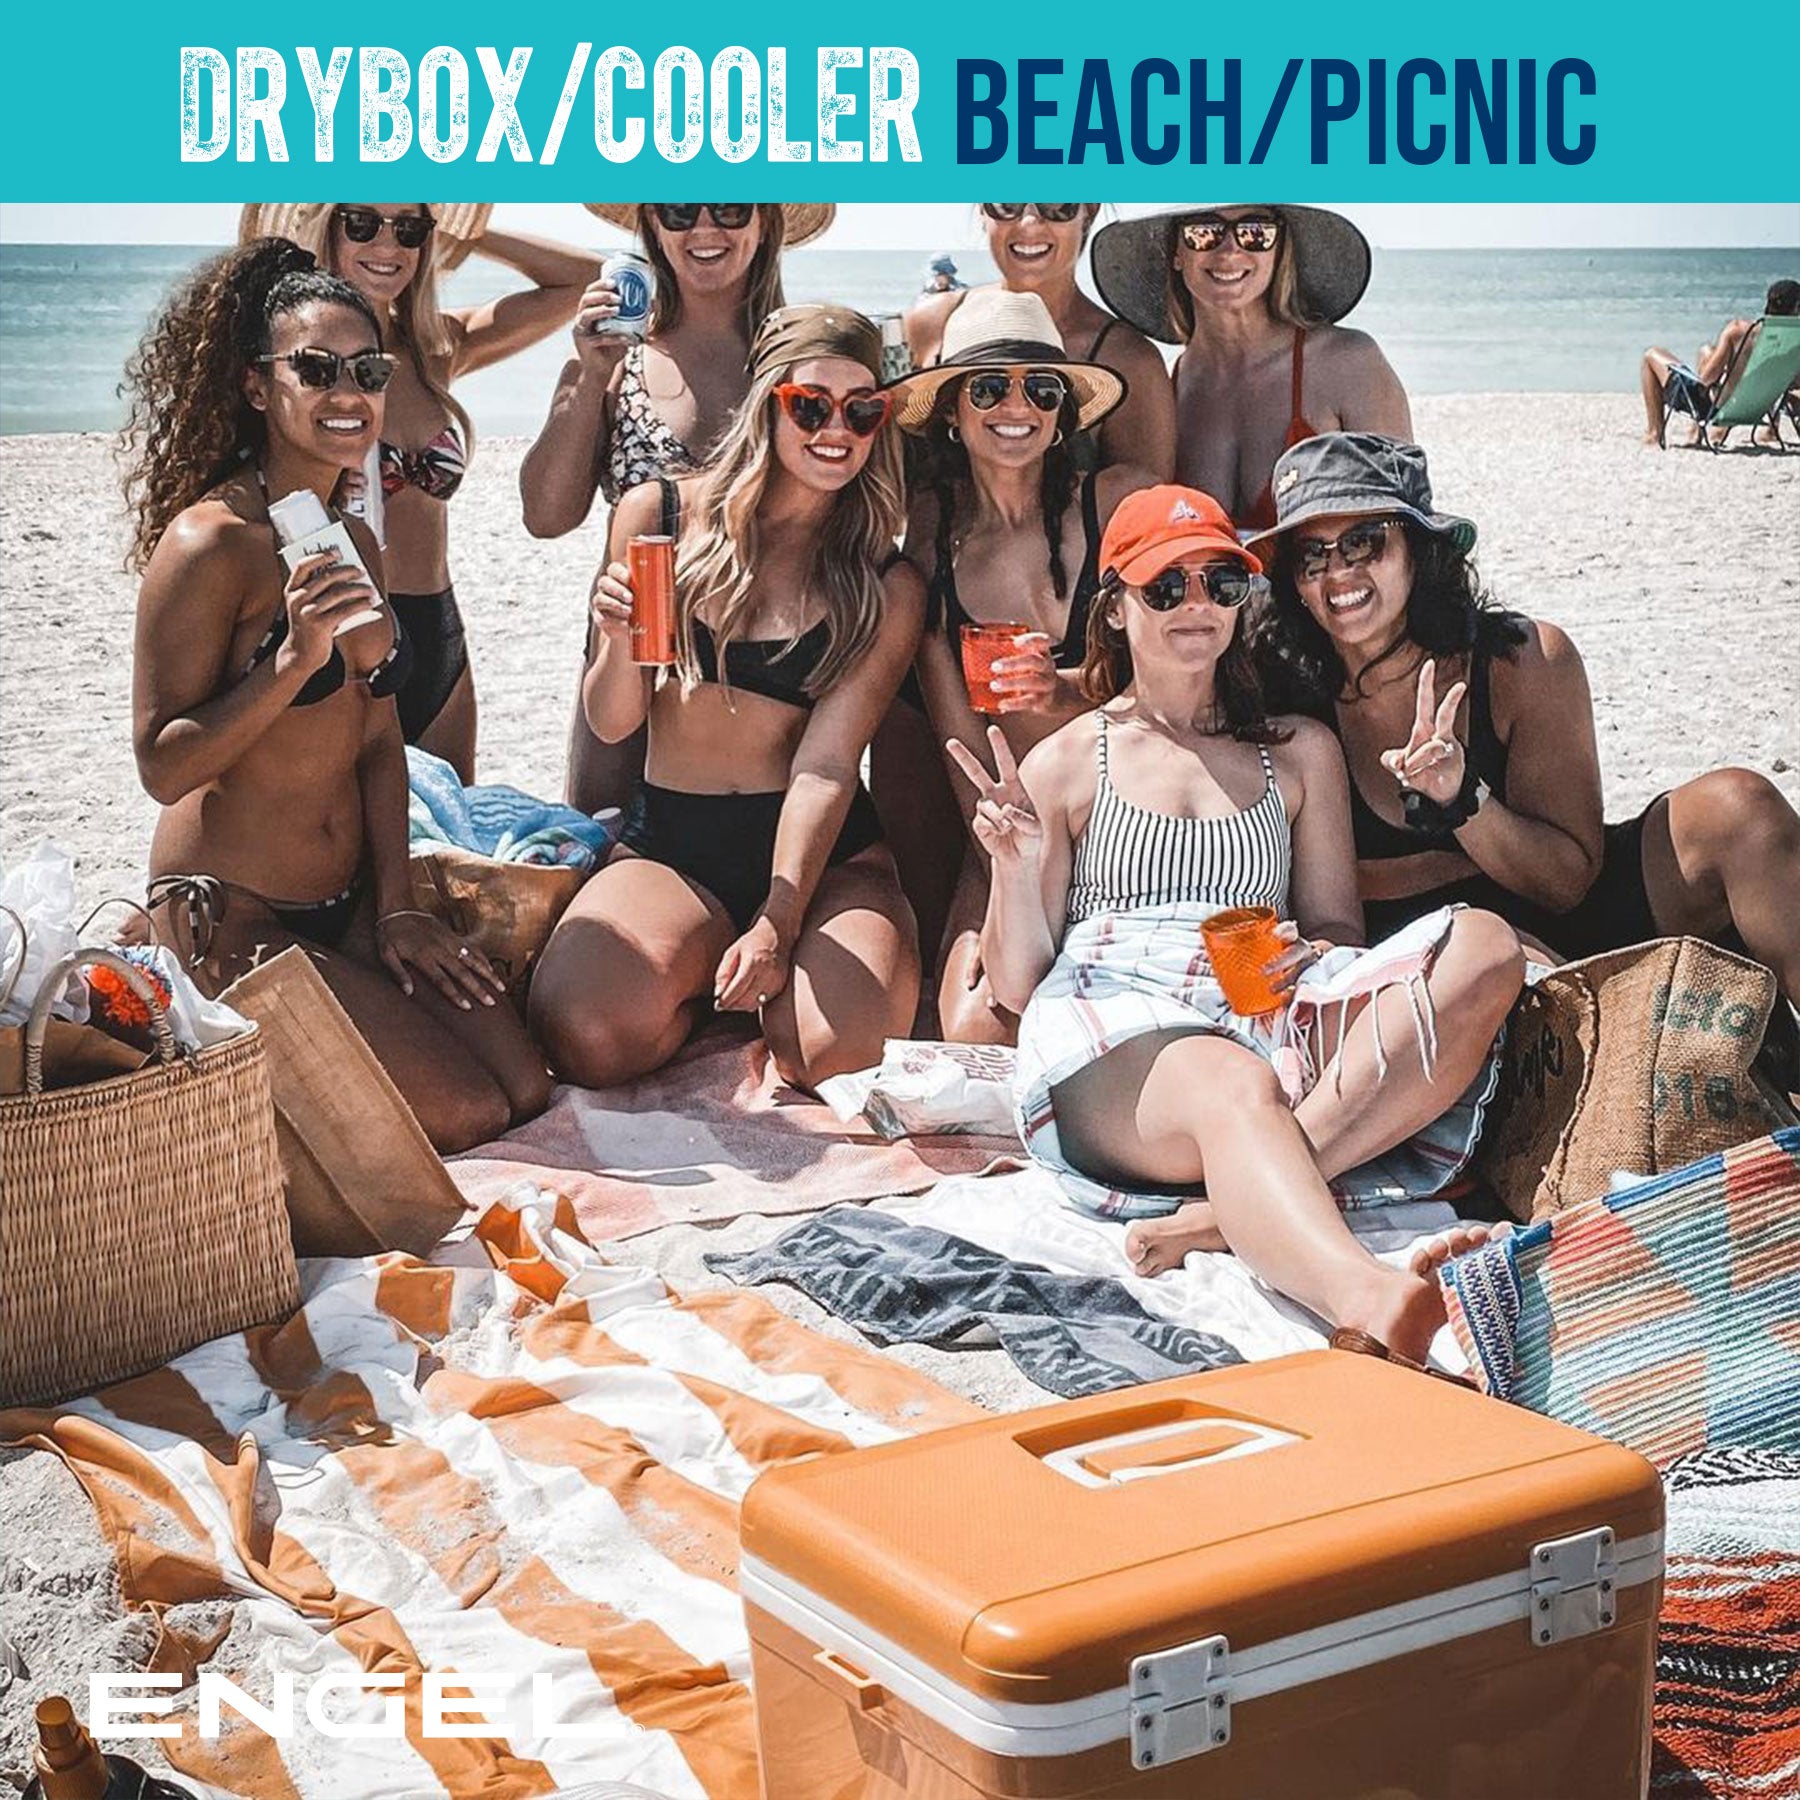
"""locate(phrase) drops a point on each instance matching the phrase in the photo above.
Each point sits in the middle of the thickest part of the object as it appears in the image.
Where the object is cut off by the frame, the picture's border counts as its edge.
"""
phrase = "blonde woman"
(391, 254)
(1252, 294)
(752, 876)
(629, 409)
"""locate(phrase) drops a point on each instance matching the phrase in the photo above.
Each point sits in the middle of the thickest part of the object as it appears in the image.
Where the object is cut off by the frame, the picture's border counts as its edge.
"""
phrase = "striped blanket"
(515, 1458)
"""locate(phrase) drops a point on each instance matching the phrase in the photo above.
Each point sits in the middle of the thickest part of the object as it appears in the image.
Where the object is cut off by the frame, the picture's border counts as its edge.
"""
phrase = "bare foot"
(1408, 1313)
(1154, 1246)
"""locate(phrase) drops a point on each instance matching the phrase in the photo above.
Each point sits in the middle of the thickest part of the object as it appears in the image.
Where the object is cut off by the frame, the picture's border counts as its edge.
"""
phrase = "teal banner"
(549, 102)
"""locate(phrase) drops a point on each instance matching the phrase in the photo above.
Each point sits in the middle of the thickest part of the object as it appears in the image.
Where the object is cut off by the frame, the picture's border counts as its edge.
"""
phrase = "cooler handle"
(866, 1693)
(1252, 1438)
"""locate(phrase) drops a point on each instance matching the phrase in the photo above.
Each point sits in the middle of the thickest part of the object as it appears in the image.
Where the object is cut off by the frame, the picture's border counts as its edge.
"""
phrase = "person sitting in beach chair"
(1110, 845)
(751, 876)
(1750, 375)
(1469, 732)
(264, 716)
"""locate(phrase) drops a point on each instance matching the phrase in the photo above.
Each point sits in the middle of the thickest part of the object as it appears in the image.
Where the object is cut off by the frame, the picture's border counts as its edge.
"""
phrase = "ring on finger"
(463, 952)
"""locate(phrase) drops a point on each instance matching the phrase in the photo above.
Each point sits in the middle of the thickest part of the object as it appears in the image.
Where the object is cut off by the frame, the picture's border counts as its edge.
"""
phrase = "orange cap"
(1158, 526)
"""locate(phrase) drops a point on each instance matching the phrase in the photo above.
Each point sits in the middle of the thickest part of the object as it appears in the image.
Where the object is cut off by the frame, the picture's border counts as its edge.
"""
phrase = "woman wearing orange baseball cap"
(1140, 1084)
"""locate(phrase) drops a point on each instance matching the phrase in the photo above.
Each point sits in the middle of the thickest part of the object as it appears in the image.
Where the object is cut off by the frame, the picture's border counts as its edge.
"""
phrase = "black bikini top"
(944, 605)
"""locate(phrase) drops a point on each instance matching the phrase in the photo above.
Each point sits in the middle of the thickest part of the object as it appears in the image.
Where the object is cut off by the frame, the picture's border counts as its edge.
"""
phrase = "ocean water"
(1450, 321)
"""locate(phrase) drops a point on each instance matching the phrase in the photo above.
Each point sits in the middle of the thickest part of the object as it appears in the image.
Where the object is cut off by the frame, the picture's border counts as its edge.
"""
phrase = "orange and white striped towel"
(529, 1468)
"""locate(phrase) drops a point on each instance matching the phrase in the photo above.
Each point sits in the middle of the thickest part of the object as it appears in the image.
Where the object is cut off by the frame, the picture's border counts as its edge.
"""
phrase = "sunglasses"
(733, 217)
(362, 225)
(1259, 235)
(1227, 584)
(1058, 214)
(811, 408)
(1044, 389)
(1360, 544)
(369, 369)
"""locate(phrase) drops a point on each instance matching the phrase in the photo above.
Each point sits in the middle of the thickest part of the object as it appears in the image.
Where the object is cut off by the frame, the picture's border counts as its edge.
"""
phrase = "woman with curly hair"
(263, 713)
(627, 410)
(752, 876)
(1474, 773)
(1008, 531)
(389, 254)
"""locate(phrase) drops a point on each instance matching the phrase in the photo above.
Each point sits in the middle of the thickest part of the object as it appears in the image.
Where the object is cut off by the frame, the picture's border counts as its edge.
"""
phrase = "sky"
(881, 227)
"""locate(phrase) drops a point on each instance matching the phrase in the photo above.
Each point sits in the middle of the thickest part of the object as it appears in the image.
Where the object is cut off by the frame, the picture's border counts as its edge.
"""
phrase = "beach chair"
(1754, 389)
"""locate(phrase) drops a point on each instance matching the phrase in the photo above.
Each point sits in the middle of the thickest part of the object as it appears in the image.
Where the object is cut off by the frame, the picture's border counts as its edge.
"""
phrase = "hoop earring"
(953, 434)
(1058, 438)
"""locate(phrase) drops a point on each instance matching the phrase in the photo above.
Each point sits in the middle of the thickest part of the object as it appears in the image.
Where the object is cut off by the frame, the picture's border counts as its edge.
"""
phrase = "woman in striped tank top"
(1138, 1085)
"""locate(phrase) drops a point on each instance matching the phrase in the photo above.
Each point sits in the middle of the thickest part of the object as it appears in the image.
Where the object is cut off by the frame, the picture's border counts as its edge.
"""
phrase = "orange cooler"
(1319, 1578)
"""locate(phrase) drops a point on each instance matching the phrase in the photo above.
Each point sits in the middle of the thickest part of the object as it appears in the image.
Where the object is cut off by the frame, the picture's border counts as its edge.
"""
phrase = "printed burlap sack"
(506, 910)
(1638, 1060)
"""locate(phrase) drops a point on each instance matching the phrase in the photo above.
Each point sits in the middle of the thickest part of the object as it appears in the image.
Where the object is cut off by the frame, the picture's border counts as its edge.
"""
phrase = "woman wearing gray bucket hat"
(1253, 294)
(1469, 733)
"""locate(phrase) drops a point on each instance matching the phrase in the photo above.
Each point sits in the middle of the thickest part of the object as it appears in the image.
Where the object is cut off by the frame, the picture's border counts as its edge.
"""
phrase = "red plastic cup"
(982, 647)
(1241, 943)
(651, 562)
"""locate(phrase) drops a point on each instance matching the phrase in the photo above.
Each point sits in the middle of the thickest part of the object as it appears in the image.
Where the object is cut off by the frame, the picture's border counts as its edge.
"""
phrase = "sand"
(1678, 575)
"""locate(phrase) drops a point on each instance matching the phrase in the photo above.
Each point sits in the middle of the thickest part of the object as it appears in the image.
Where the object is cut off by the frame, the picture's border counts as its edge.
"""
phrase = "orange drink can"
(651, 562)
(1241, 943)
(982, 647)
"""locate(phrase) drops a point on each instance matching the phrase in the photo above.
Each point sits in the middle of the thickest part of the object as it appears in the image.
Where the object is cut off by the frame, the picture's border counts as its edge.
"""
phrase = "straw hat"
(1132, 259)
(996, 329)
(458, 225)
(800, 224)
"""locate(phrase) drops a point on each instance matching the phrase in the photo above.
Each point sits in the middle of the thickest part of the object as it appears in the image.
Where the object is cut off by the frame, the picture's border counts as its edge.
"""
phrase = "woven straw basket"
(139, 1216)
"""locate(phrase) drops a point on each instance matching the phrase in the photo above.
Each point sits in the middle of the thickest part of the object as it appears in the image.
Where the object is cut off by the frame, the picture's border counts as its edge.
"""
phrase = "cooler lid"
(1031, 1559)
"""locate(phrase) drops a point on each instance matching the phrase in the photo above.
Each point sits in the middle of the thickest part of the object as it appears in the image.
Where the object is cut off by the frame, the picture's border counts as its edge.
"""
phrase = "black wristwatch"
(1419, 813)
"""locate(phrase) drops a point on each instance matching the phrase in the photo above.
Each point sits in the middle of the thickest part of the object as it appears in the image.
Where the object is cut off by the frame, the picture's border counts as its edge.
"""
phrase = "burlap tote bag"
(1637, 1061)
(142, 1214)
(506, 910)
(361, 1173)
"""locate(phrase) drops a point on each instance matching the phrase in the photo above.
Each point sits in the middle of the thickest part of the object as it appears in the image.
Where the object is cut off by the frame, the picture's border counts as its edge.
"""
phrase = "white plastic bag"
(41, 890)
(926, 1089)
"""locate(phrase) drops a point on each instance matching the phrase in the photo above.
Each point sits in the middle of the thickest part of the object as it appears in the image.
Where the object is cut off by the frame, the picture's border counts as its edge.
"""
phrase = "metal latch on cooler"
(1574, 1586)
(1180, 1702)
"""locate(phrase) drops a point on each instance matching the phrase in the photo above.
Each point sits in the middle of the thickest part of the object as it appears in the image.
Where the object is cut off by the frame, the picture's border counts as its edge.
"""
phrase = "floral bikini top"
(436, 470)
(642, 445)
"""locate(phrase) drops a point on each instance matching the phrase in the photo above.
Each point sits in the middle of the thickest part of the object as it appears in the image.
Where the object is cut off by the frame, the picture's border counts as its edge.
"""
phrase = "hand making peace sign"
(1432, 761)
(1006, 823)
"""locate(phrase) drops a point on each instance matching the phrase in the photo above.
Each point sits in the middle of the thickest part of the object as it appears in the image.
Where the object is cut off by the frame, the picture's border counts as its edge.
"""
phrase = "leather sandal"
(1360, 1343)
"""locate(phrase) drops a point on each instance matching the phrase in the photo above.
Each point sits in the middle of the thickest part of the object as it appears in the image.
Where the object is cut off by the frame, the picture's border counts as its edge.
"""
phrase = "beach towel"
(502, 822)
(1665, 1316)
(1728, 1649)
(709, 1137)
(516, 1458)
(1072, 1335)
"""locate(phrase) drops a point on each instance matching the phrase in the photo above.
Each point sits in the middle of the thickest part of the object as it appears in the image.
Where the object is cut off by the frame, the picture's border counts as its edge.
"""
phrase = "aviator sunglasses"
(362, 225)
(1360, 544)
(1259, 235)
(682, 217)
(811, 408)
(371, 370)
(1058, 213)
(1045, 390)
(1227, 584)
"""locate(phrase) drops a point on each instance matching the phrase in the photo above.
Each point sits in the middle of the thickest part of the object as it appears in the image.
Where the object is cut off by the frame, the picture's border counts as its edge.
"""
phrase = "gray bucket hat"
(1357, 472)
(1132, 259)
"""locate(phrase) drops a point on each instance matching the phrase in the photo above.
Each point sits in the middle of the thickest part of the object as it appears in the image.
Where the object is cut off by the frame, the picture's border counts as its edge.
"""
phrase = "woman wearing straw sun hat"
(392, 256)
(628, 409)
(1253, 294)
(1009, 531)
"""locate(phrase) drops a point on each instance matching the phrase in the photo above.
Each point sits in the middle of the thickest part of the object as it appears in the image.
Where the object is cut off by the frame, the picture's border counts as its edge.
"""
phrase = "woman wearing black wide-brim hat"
(1253, 294)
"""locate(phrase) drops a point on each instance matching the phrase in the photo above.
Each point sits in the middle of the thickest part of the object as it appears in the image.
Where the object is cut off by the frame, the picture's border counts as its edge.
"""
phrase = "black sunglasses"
(1259, 235)
(371, 370)
(1360, 544)
(732, 217)
(362, 225)
(1227, 584)
(1044, 389)
(1058, 213)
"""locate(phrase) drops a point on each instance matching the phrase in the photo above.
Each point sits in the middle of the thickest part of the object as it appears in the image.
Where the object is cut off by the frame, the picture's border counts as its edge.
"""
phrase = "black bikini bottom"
(203, 900)
(725, 843)
(433, 625)
(322, 922)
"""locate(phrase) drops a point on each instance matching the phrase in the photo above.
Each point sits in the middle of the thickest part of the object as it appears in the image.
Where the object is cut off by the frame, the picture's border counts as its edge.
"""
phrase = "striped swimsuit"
(1133, 961)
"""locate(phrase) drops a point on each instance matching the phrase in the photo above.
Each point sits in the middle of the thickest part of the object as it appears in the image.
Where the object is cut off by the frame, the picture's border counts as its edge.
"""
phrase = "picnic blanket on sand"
(529, 1465)
(713, 1135)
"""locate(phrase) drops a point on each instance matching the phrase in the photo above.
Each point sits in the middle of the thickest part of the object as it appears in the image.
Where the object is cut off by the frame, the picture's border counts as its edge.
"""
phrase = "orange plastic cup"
(1241, 943)
(982, 647)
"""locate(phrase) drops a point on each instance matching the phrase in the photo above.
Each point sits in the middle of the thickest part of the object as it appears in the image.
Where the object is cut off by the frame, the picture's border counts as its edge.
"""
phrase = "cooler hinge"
(1180, 1702)
(1574, 1586)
